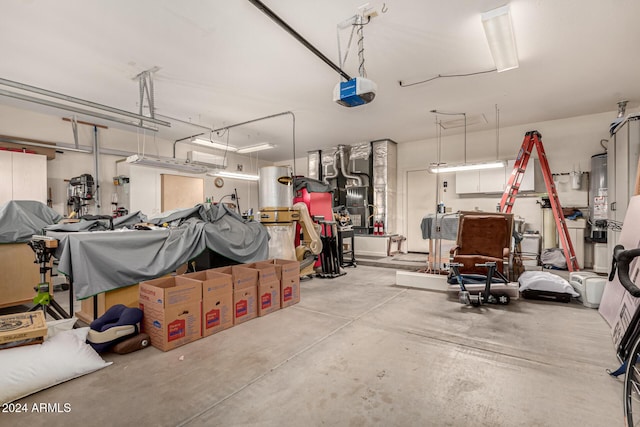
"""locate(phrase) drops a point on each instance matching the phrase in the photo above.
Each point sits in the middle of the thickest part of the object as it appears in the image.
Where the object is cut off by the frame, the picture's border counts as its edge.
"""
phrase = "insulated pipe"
(343, 166)
(327, 177)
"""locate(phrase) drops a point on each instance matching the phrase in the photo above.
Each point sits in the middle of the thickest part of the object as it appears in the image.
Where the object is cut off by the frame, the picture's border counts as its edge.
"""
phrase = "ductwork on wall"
(364, 176)
(385, 155)
(314, 164)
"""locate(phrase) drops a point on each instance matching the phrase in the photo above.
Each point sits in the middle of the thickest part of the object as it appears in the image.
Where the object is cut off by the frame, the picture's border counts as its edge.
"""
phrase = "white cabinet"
(528, 182)
(467, 182)
(23, 176)
(480, 181)
(494, 180)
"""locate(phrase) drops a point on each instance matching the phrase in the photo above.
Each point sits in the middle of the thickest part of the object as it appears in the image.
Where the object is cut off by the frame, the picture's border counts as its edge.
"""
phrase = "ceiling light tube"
(466, 167)
(502, 43)
(253, 148)
(166, 164)
(237, 175)
(214, 144)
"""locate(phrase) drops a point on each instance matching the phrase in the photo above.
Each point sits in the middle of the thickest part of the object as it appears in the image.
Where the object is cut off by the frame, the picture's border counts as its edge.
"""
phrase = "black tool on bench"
(484, 297)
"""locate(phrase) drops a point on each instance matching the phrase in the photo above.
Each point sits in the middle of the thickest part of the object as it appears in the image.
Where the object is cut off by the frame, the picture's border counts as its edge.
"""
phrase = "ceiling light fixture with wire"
(235, 175)
(254, 148)
(498, 30)
(442, 167)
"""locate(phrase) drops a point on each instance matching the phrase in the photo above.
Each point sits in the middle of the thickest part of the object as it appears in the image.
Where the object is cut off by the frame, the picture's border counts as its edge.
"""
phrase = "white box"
(601, 258)
(589, 285)
(530, 247)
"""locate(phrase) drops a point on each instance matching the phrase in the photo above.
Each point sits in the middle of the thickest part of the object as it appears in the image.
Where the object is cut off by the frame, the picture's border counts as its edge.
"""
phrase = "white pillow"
(54, 327)
(29, 369)
(543, 281)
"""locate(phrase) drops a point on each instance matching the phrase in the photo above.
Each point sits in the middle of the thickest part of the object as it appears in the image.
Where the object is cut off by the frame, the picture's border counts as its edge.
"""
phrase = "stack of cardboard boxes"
(182, 309)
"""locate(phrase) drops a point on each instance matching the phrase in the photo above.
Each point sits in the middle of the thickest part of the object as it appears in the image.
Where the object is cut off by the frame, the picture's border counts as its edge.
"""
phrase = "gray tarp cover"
(440, 226)
(104, 260)
(21, 219)
(312, 185)
(99, 225)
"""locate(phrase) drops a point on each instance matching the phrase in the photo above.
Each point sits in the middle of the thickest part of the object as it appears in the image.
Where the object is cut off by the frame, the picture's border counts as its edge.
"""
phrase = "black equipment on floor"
(484, 297)
(329, 257)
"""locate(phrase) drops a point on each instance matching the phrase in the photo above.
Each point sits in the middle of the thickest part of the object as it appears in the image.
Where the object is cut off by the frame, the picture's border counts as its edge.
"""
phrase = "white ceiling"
(224, 62)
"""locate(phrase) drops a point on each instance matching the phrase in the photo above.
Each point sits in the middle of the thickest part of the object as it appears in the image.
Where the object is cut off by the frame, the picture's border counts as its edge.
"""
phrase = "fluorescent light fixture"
(253, 148)
(440, 168)
(213, 144)
(502, 42)
(172, 164)
(236, 175)
(206, 159)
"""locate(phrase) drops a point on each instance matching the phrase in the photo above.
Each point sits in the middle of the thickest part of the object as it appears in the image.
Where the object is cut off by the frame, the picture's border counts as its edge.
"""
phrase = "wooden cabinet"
(19, 274)
(23, 176)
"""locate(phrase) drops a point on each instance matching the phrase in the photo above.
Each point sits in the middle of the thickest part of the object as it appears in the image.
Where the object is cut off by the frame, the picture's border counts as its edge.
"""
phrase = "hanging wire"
(346, 53)
(441, 76)
(446, 113)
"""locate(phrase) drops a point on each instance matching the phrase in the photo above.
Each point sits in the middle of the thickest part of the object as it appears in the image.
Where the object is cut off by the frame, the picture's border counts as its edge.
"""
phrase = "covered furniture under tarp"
(483, 237)
(102, 261)
(19, 220)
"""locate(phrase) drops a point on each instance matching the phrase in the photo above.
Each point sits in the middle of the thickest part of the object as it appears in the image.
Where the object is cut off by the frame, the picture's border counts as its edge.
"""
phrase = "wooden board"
(127, 296)
(19, 274)
(49, 152)
(180, 192)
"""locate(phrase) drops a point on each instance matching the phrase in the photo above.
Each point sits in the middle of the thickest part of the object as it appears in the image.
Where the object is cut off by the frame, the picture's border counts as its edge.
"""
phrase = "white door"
(421, 200)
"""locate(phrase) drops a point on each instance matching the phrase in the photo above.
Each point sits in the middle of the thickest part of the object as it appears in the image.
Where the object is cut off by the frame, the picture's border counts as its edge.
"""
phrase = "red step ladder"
(534, 139)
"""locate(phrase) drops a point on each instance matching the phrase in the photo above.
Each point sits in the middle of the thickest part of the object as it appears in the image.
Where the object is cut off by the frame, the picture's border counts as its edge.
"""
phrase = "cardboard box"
(217, 300)
(245, 292)
(266, 271)
(23, 326)
(268, 287)
(268, 297)
(284, 267)
(172, 311)
(290, 291)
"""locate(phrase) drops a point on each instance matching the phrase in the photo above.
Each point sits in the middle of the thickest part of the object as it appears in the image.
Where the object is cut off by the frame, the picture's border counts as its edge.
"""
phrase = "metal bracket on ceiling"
(145, 79)
(73, 102)
(74, 128)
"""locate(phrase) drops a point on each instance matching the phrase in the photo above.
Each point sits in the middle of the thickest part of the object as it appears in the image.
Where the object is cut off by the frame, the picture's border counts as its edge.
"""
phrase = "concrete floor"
(360, 351)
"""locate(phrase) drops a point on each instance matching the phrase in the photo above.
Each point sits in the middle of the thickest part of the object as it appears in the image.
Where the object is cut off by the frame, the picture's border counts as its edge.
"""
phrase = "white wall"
(301, 165)
(51, 128)
(568, 143)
